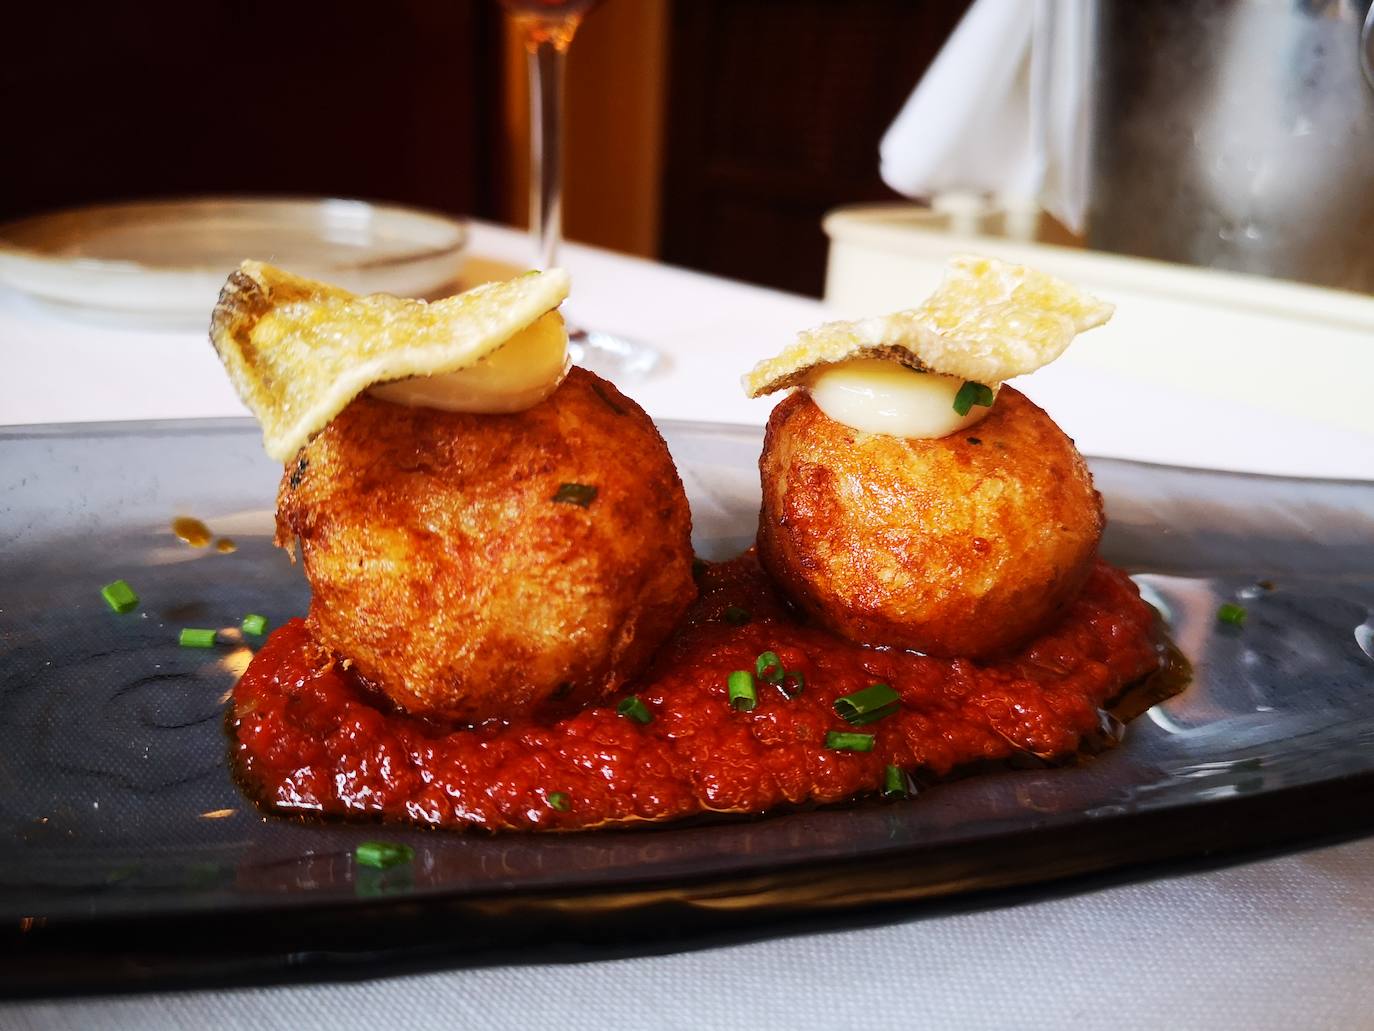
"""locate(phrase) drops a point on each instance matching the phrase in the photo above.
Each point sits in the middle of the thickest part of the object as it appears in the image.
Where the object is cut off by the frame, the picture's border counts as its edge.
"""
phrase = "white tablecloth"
(1283, 944)
(711, 330)
(1280, 943)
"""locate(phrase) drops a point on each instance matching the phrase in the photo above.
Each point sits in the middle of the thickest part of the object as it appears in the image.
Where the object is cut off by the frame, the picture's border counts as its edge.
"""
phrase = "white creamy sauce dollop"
(517, 375)
(875, 395)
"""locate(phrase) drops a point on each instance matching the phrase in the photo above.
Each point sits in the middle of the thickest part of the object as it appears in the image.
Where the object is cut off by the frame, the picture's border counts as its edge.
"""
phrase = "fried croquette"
(965, 545)
(478, 565)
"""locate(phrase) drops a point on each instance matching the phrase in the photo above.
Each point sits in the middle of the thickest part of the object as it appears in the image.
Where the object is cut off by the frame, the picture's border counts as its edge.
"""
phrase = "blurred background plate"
(163, 262)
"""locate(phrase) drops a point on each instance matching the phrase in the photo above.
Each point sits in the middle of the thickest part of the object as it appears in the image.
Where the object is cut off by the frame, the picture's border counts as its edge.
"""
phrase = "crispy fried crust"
(963, 546)
(445, 571)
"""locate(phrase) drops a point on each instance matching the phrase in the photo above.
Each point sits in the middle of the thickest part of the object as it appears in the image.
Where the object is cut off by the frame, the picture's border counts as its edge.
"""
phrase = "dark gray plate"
(123, 833)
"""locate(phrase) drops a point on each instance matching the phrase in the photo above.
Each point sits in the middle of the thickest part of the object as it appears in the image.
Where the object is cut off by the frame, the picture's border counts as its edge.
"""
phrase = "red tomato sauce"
(311, 737)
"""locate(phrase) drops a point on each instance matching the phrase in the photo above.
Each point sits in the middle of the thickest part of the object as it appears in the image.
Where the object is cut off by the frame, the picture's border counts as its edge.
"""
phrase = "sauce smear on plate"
(312, 737)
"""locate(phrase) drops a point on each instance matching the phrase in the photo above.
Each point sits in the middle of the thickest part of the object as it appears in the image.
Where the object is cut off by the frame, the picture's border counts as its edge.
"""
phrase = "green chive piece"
(194, 638)
(1231, 613)
(254, 624)
(971, 394)
(575, 494)
(557, 800)
(742, 694)
(768, 667)
(839, 741)
(874, 716)
(381, 854)
(634, 708)
(872, 703)
(894, 782)
(119, 596)
(793, 683)
(736, 616)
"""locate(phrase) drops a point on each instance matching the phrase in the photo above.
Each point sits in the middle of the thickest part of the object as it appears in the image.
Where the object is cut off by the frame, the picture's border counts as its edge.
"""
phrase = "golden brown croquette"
(475, 565)
(966, 545)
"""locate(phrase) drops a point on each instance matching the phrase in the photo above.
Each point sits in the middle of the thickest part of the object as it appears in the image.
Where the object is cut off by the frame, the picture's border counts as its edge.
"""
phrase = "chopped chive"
(1231, 613)
(381, 854)
(634, 708)
(840, 741)
(872, 703)
(894, 782)
(119, 596)
(793, 683)
(575, 494)
(742, 694)
(768, 667)
(254, 624)
(194, 638)
(557, 800)
(736, 616)
(971, 394)
(874, 716)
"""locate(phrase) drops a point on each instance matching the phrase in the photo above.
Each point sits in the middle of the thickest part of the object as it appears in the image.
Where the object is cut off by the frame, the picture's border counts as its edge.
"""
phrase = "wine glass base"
(614, 357)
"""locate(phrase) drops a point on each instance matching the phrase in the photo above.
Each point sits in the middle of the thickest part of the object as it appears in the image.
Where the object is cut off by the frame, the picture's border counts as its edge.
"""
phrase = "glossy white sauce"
(874, 395)
(516, 376)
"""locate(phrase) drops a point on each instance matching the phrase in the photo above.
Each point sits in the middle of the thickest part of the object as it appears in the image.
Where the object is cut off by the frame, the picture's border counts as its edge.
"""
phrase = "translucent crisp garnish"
(987, 322)
(299, 351)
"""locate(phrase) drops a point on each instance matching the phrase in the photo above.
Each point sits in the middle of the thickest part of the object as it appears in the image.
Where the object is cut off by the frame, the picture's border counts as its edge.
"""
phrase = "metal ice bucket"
(1237, 134)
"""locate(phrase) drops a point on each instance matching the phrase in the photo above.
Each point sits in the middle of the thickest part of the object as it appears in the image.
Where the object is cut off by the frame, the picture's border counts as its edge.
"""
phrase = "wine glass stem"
(546, 60)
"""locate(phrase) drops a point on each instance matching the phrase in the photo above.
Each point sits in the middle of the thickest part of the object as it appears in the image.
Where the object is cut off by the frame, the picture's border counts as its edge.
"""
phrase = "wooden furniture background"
(397, 101)
(775, 111)
(711, 133)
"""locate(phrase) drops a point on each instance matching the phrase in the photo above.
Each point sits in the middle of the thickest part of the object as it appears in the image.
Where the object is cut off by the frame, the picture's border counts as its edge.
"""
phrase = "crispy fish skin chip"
(987, 322)
(298, 351)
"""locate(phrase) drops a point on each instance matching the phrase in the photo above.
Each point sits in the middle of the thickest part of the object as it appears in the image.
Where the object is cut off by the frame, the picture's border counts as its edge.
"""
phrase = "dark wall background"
(774, 110)
(388, 99)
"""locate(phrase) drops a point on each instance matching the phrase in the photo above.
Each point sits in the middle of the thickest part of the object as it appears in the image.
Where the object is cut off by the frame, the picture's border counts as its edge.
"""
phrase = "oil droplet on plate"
(225, 546)
(192, 531)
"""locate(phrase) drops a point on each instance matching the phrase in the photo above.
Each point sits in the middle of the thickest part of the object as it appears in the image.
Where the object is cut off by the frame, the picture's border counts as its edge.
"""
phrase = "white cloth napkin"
(1003, 109)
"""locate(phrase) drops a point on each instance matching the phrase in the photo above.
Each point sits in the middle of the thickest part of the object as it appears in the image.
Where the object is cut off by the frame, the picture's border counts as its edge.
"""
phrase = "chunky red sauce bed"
(312, 737)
